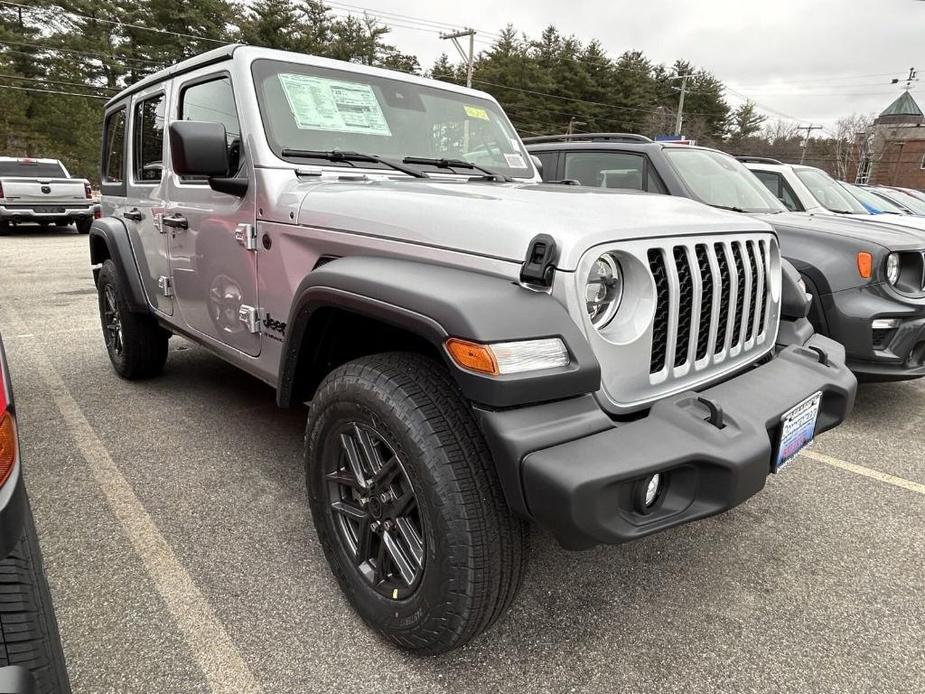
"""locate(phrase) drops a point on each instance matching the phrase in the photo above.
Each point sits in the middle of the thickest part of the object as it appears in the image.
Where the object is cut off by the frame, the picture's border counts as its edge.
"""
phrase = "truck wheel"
(83, 225)
(28, 628)
(407, 503)
(4, 228)
(137, 345)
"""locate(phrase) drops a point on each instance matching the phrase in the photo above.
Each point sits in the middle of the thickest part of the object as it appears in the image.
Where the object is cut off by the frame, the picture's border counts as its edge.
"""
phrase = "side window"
(771, 181)
(789, 198)
(607, 169)
(214, 101)
(148, 139)
(549, 160)
(114, 148)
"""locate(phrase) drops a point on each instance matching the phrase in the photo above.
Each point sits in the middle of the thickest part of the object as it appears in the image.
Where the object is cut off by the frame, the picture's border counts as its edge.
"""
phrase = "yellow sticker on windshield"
(476, 112)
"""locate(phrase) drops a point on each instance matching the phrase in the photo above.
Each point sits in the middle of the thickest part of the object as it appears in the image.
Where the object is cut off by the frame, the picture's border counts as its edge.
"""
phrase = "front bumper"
(46, 213)
(878, 355)
(582, 489)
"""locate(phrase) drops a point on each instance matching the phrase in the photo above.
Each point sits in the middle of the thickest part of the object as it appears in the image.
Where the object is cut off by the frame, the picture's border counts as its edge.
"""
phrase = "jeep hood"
(498, 220)
(890, 236)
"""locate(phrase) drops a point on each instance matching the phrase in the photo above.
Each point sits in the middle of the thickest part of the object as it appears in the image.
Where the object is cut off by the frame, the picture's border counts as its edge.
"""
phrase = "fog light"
(647, 492)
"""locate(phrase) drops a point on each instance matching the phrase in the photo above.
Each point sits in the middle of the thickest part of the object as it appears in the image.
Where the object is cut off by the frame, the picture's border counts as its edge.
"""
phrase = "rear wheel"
(4, 228)
(407, 504)
(83, 225)
(137, 345)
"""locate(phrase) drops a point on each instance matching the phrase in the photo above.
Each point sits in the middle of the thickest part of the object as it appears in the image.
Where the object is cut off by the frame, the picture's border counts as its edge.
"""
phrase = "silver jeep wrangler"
(477, 349)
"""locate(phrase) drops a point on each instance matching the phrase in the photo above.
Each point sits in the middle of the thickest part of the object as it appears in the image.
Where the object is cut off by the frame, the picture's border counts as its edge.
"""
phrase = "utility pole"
(468, 59)
(572, 122)
(680, 119)
(808, 128)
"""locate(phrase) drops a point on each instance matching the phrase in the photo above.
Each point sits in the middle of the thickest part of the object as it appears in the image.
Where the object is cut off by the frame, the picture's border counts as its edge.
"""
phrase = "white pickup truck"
(41, 191)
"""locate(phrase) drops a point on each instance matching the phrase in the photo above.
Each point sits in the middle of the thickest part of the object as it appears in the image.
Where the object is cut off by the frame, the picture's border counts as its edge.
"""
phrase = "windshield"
(903, 198)
(828, 193)
(322, 109)
(29, 168)
(874, 203)
(719, 180)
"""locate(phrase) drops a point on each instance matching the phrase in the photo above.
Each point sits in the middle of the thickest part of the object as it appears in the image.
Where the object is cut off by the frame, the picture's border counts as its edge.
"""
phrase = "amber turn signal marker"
(7, 446)
(865, 264)
(473, 356)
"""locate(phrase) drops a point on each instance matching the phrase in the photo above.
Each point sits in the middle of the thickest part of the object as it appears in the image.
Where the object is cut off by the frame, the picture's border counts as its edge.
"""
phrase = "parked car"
(872, 202)
(31, 658)
(478, 349)
(908, 202)
(880, 319)
(41, 191)
(804, 188)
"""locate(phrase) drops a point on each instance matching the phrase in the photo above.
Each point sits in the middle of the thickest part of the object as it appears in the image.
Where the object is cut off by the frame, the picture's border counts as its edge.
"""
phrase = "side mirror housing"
(198, 148)
(538, 164)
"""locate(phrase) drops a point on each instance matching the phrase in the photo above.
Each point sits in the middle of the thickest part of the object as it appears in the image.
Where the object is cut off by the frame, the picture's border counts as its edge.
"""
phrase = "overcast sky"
(814, 60)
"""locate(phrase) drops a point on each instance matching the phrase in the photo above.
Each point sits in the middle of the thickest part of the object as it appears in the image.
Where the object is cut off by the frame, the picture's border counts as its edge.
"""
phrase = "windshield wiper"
(456, 164)
(337, 155)
(730, 208)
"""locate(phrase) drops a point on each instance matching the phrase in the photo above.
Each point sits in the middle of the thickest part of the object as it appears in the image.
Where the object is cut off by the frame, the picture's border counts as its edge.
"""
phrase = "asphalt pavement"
(181, 555)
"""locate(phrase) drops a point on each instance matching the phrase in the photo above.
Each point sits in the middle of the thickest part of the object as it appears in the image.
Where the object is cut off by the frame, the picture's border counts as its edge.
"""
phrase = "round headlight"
(603, 290)
(892, 268)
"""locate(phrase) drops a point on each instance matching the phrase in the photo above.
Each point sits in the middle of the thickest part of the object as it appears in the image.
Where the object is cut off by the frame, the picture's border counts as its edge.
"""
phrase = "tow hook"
(822, 354)
(716, 417)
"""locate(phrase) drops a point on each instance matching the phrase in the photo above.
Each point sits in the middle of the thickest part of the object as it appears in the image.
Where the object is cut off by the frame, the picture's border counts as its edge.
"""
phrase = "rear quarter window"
(113, 161)
(27, 168)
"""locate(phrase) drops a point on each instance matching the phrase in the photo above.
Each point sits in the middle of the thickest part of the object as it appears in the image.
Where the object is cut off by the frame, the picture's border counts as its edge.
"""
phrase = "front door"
(145, 193)
(214, 275)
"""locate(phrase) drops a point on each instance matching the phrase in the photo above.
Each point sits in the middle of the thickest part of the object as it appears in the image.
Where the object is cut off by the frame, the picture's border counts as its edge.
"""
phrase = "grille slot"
(710, 292)
(660, 329)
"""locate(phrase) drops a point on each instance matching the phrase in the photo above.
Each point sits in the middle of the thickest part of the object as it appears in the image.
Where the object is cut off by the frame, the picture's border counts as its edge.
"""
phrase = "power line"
(53, 81)
(141, 27)
(52, 91)
(409, 18)
(75, 52)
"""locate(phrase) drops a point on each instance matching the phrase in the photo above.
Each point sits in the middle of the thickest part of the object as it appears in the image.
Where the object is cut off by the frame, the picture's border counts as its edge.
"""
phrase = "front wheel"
(407, 503)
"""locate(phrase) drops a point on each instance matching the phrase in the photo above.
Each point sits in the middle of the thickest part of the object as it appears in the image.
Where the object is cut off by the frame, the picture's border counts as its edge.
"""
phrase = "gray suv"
(477, 349)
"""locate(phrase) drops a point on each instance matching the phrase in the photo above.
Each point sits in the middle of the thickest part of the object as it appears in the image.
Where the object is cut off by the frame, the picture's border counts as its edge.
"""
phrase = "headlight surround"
(892, 268)
(603, 290)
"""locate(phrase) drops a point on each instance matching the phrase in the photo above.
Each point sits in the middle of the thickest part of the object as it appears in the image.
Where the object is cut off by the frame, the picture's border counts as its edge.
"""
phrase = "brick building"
(895, 146)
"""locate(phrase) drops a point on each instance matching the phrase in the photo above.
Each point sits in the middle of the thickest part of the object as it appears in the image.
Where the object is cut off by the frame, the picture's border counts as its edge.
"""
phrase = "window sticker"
(333, 105)
(515, 161)
(476, 112)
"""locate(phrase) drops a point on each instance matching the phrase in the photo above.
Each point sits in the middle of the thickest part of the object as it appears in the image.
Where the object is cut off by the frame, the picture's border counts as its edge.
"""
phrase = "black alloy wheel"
(374, 509)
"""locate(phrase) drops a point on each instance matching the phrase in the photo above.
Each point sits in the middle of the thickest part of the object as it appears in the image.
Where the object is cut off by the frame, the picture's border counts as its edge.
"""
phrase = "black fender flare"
(436, 302)
(110, 233)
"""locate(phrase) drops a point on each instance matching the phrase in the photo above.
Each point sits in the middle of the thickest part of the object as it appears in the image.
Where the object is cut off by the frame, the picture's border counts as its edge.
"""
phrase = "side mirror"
(199, 148)
(537, 163)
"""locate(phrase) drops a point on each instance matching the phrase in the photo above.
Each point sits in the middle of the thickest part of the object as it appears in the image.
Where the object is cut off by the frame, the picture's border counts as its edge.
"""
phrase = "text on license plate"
(798, 426)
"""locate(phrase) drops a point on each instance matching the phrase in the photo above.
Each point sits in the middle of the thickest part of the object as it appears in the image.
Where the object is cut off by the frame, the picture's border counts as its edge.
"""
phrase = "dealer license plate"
(797, 430)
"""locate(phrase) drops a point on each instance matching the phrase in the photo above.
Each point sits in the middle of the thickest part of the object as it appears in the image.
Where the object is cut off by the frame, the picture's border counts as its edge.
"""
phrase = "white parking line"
(212, 647)
(866, 471)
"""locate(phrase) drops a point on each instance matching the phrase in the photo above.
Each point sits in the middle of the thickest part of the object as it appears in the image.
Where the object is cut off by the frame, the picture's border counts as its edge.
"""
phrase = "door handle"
(177, 222)
(134, 214)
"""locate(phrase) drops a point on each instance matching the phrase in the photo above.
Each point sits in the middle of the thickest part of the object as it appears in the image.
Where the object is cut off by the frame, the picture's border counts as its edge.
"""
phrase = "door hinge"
(165, 284)
(246, 235)
(250, 316)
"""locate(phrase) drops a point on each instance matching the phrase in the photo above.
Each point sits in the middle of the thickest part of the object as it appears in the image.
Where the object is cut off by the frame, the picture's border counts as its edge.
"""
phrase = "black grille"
(685, 305)
(740, 294)
(660, 328)
(752, 318)
(706, 301)
(762, 248)
(724, 297)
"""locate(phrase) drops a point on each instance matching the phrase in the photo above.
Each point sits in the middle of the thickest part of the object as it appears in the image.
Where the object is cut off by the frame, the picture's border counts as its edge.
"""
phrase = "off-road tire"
(474, 548)
(144, 342)
(83, 225)
(28, 629)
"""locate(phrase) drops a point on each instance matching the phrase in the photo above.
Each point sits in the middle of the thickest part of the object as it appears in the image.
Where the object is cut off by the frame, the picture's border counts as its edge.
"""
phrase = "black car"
(31, 658)
(866, 280)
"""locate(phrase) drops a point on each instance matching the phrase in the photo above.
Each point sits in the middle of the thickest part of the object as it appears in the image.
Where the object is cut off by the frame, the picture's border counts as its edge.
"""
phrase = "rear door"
(145, 192)
(214, 274)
